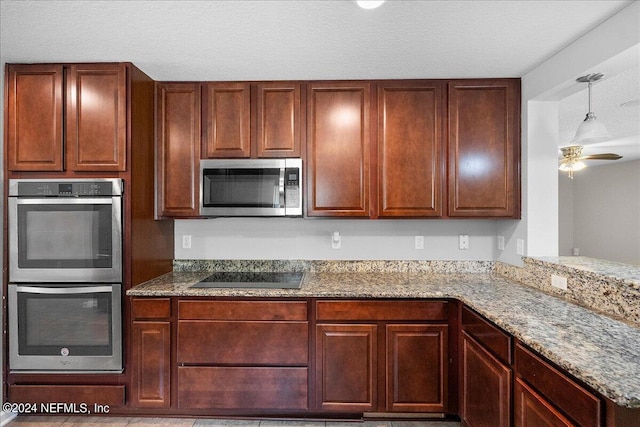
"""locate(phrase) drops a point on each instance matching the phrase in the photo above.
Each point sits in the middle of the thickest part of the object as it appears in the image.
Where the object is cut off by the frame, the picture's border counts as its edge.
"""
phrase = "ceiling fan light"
(572, 166)
(591, 131)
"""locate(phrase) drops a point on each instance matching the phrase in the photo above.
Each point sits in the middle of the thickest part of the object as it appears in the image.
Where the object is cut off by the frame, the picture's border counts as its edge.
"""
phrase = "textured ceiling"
(274, 40)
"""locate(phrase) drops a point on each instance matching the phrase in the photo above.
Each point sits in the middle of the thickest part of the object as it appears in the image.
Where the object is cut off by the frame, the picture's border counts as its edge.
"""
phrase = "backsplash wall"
(297, 238)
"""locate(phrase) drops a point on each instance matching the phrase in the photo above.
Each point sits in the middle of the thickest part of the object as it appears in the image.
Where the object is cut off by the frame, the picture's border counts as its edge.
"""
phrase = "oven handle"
(63, 290)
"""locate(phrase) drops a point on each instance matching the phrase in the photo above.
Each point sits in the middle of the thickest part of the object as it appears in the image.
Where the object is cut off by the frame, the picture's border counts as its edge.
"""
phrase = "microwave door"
(243, 192)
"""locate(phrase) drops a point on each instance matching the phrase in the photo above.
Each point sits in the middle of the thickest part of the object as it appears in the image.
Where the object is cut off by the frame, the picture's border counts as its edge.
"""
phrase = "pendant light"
(590, 130)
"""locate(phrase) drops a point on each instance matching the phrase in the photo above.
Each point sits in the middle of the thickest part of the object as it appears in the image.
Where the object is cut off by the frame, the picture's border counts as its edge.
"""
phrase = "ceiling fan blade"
(603, 156)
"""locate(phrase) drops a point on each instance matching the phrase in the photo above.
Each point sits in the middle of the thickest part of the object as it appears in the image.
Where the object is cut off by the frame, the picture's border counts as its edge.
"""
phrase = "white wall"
(296, 238)
(606, 202)
(549, 82)
(565, 215)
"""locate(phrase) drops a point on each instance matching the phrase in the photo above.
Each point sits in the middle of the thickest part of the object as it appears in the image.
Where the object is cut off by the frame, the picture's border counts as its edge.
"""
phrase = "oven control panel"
(70, 188)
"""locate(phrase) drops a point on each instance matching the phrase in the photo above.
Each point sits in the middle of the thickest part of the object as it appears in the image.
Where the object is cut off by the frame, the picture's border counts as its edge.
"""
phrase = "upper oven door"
(65, 239)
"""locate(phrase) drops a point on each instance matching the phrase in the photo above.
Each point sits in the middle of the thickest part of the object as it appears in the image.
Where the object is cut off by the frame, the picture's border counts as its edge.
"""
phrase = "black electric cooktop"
(242, 279)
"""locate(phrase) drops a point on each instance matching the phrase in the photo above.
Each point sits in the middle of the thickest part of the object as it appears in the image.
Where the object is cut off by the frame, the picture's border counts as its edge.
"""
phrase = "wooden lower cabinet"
(346, 367)
(106, 396)
(381, 356)
(151, 353)
(223, 387)
(150, 378)
(242, 355)
(416, 365)
(573, 401)
(485, 387)
(534, 410)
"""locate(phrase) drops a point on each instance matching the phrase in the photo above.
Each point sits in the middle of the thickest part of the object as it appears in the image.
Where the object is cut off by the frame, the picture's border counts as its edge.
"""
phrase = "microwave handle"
(64, 290)
(281, 199)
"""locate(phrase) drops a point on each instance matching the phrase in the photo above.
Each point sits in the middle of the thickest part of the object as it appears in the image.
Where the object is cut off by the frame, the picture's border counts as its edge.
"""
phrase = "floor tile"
(425, 424)
(371, 423)
(96, 421)
(292, 423)
(37, 421)
(157, 422)
(226, 423)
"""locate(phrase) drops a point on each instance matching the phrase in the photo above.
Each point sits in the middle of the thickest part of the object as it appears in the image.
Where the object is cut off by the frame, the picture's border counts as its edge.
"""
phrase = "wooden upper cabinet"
(410, 149)
(35, 118)
(94, 113)
(97, 117)
(277, 117)
(484, 148)
(226, 115)
(178, 144)
(338, 139)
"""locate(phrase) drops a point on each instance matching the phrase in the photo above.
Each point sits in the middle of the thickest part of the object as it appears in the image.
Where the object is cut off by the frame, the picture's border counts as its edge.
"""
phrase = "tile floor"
(62, 421)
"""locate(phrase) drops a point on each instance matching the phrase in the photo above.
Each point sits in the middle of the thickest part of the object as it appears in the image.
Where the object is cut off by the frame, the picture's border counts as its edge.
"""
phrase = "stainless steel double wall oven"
(65, 275)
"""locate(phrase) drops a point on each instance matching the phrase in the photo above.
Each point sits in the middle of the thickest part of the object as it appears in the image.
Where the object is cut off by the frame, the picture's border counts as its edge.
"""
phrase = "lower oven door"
(69, 328)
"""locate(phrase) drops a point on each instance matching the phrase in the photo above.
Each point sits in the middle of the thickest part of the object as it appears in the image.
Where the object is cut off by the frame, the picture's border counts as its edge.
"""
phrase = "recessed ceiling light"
(369, 4)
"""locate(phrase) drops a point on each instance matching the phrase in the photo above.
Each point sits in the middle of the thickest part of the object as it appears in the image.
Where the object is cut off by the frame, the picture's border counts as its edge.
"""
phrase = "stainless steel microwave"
(251, 187)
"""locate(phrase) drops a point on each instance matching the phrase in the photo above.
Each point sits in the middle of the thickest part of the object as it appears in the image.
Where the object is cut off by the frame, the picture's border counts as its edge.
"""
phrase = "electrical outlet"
(559, 282)
(336, 240)
(501, 243)
(520, 246)
(463, 241)
(419, 242)
(186, 241)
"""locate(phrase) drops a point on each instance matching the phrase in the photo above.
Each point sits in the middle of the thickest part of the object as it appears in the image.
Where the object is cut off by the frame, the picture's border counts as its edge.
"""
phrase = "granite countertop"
(601, 351)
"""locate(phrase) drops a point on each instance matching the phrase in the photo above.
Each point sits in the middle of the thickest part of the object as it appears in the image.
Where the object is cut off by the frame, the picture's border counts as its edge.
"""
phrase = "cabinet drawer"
(248, 343)
(490, 336)
(356, 310)
(156, 308)
(571, 398)
(242, 310)
(242, 388)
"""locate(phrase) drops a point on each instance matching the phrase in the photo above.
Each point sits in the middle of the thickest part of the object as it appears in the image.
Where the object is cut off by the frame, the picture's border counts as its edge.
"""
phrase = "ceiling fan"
(590, 130)
(572, 158)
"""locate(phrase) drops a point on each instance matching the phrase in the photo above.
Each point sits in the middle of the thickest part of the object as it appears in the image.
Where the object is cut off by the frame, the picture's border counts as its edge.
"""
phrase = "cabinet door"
(486, 387)
(531, 409)
(338, 149)
(178, 139)
(277, 116)
(34, 127)
(346, 367)
(410, 149)
(416, 368)
(96, 134)
(151, 352)
(226, 112)
(484, 148)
